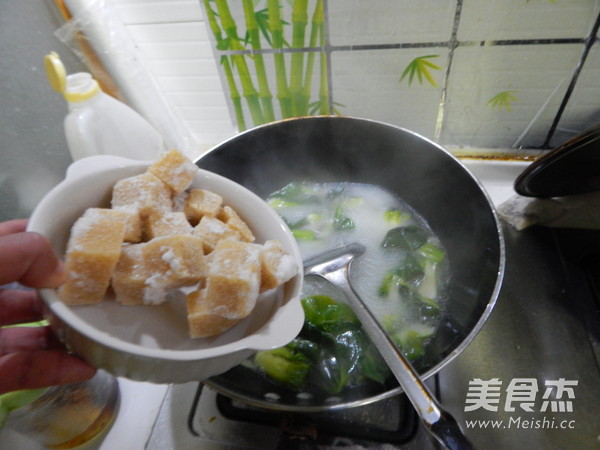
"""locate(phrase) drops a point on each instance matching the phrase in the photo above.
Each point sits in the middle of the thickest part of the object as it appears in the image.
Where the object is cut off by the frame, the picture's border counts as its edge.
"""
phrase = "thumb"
(30, 259)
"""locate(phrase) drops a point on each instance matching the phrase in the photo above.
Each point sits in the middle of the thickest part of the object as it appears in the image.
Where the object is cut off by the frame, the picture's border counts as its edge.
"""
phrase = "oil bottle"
(98, 124)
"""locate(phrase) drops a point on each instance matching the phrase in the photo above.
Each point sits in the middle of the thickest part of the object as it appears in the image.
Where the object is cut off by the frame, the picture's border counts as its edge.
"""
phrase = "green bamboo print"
(299, 24)
(236, 98)
(323, 102)
(248, 89)
(504, 99)
(276, 27)
(420, 67)
(223, 44)
(317, 37)
(264, 93)
(266, 25)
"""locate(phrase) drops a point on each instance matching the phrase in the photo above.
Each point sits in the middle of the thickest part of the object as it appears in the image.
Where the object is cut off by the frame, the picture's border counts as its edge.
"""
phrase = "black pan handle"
(293, 442)
(448, 432)
(297, 433)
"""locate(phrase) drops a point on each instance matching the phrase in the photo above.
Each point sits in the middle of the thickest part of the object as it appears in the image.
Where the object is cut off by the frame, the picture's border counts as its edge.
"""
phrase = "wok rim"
(274, 405)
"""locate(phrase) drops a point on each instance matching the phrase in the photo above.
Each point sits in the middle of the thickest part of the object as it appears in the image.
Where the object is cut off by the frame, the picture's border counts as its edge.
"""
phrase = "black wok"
(427, 177)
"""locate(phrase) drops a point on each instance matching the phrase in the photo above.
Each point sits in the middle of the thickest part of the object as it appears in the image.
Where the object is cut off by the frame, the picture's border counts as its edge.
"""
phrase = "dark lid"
(572, 168)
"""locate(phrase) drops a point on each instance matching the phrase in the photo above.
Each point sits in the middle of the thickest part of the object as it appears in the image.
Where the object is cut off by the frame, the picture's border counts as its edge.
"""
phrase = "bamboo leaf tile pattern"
(466, 73)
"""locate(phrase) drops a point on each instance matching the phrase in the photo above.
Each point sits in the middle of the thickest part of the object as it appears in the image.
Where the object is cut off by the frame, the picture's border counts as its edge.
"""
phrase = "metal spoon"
(334, 266)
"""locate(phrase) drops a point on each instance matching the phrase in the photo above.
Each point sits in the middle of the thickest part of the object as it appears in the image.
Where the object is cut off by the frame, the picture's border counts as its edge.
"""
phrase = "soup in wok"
(400, 276)
(431, 275)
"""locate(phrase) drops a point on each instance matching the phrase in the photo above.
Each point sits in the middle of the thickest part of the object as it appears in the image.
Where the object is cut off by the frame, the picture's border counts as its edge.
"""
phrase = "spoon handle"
(439, 423)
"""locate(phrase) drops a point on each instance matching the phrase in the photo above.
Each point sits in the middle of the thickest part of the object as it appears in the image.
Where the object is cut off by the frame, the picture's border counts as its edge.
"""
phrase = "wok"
(424, 175)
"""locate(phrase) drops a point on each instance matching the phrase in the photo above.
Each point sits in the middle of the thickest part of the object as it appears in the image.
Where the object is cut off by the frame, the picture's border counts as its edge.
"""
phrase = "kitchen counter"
(141, 402)
(545, 328)
(530, 335)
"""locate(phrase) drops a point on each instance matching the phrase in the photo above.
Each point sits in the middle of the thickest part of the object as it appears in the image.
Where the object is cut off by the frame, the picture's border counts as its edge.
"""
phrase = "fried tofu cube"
(93, 250)
(233, 278)
(277, 266)
(132, 221)
(175, 170)
(200, 203)
(144, 194)
(129, 279)
(166, 224)
(231, 218)
(174, 261)
(204, 319)
(211, 230)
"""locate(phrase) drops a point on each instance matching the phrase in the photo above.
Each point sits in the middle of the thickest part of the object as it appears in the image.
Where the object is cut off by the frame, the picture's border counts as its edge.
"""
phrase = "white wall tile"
(158, 11)
(367, 84)
(480, 73)
(183, 67)
(583, 109)
(177, 50)
(357, 22)
(168, 32)
(173, 37)
(522, 19)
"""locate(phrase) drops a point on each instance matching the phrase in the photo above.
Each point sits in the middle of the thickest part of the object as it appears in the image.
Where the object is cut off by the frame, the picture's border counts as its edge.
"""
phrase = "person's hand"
(31, 357)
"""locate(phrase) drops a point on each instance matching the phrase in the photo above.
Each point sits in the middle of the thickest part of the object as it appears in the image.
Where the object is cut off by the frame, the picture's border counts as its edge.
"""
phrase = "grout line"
(589, 42)
(537, 115)
(452, 44)
(328, 51)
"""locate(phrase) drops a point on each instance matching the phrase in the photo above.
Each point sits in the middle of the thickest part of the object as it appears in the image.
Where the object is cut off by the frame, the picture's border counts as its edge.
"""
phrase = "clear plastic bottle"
(98, 124)
(69, 415)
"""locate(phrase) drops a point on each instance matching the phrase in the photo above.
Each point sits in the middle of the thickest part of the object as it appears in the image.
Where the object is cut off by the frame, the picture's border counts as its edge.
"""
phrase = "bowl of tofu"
(176, 274)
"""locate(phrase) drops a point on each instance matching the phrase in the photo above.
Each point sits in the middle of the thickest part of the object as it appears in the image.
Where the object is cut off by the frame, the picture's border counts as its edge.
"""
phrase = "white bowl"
(151, 343)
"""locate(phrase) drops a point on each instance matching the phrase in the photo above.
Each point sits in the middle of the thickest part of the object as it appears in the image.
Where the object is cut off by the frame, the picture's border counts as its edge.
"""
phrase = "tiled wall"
(540, 56)
(172, 36)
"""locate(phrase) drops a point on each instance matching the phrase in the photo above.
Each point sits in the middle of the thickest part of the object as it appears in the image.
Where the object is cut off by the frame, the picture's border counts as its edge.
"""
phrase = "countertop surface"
(533, 336)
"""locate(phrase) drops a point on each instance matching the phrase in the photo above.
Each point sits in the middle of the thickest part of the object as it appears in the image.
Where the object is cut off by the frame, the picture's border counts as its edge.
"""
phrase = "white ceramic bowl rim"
(281, 324)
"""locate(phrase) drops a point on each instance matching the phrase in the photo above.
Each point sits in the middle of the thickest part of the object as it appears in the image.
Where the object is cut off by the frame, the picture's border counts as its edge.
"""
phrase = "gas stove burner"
(390, 421)
(545, 327)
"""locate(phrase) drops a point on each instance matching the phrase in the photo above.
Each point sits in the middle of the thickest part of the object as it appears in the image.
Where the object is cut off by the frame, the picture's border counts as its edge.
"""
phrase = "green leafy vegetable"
(408, 238)
(411, 343)
(304, 235)
(279, 203)
(429, 307)
(284, 365)
(372, 364)
(332, 342)
(341, 222)
(432, 252)
(331, 353)
(420, 305)
(395, 217)
(411, 339)
(323, 312)
(389, 281)
(409, 269)
(295, 192)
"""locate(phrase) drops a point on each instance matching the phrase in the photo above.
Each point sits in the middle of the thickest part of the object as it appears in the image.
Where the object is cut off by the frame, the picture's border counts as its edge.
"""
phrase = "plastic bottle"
(98, 124)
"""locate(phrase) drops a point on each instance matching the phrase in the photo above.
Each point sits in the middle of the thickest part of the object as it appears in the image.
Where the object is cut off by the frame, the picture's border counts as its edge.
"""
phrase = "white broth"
(366, 206)
(401, 276)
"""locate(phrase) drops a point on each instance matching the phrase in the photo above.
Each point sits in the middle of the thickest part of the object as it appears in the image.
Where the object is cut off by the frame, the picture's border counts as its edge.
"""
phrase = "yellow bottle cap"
(75, 88)
(55, 71)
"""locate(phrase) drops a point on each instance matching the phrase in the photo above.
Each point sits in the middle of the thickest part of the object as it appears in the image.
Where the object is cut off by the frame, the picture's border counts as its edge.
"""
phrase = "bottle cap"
(75, 88)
